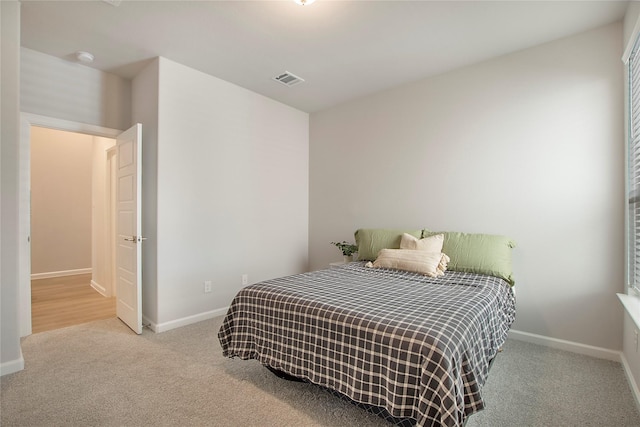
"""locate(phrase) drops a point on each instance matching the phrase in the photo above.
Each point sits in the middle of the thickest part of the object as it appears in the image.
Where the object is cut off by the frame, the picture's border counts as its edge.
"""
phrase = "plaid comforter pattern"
(416, 346)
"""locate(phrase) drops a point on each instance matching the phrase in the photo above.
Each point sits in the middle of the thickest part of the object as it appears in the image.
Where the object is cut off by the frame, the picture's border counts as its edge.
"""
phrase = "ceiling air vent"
(288, 79)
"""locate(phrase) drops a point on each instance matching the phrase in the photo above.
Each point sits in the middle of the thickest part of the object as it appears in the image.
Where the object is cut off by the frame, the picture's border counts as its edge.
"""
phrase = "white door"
(128, 228)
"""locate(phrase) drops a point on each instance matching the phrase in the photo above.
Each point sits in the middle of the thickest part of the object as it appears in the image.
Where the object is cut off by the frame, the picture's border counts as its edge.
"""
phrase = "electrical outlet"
(207, 286)
(245, 279)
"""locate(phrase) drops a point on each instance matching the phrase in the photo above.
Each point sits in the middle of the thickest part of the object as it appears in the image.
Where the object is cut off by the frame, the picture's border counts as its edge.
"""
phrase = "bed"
(417, 347)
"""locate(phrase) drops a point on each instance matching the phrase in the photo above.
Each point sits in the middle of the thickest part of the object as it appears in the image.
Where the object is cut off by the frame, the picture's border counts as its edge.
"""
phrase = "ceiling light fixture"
(304, 2)
(85, 57)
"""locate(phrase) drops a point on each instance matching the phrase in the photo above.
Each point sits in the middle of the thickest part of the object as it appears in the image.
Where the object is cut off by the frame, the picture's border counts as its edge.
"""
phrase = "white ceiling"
(343, 49)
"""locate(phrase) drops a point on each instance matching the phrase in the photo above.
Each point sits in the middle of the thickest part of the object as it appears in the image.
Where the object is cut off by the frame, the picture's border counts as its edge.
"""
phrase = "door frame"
(24, 204)
(110, 192)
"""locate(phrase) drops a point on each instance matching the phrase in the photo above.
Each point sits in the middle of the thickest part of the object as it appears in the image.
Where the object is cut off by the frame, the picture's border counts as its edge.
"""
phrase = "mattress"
(418, 347)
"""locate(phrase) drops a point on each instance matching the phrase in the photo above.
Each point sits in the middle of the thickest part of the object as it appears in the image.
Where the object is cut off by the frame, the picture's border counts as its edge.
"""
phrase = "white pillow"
(430, 244)
(432, 264)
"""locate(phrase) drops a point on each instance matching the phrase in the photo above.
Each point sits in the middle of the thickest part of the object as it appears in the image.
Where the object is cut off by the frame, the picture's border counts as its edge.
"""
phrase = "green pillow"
(371, 240)
(478, 253)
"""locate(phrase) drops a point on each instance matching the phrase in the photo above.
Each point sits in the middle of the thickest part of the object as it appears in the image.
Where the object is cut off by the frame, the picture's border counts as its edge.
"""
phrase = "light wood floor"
(65, 301)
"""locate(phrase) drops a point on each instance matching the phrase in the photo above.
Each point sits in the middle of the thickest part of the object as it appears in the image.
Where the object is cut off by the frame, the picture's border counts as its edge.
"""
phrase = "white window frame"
(631, 58)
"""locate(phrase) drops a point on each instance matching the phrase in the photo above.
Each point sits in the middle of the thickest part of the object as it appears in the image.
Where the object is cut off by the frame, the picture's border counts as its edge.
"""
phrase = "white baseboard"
(574, 347)
(173, 324)
(631, 380)
(12, 366)
(101, 289)
(51, 274)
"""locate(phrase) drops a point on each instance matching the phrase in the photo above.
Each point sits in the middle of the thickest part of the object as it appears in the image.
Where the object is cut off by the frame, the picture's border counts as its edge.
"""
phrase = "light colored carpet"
(101, 374)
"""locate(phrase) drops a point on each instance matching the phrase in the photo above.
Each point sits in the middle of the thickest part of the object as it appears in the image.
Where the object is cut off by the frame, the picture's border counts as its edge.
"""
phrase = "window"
(633, 173)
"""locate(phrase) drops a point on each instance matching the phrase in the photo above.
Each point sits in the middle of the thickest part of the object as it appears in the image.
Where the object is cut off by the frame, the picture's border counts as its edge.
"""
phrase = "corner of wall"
(144, 110)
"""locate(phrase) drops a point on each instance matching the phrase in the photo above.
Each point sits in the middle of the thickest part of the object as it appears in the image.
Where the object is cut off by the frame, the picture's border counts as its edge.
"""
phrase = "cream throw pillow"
(432, 264)
(430, 244)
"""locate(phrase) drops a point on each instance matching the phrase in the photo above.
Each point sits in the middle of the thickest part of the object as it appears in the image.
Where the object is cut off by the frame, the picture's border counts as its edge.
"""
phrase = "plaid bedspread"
(417, 346)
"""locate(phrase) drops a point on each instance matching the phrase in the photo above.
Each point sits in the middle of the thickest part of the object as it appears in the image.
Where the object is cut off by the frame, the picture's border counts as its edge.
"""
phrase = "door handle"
(135, 239)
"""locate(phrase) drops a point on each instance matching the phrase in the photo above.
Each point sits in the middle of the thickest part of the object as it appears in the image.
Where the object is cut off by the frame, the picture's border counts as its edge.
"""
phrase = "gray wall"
(231, 189)
(10, 353)
(61, 190)
(53, 87)
(529, 145)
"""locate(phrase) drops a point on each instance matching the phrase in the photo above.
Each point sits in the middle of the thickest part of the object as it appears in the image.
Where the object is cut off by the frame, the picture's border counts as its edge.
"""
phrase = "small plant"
(347, 248)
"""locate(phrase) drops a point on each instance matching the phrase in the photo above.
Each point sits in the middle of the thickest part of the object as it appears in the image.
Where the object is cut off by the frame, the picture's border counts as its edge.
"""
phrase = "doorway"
(28, 121)
(71, 231)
